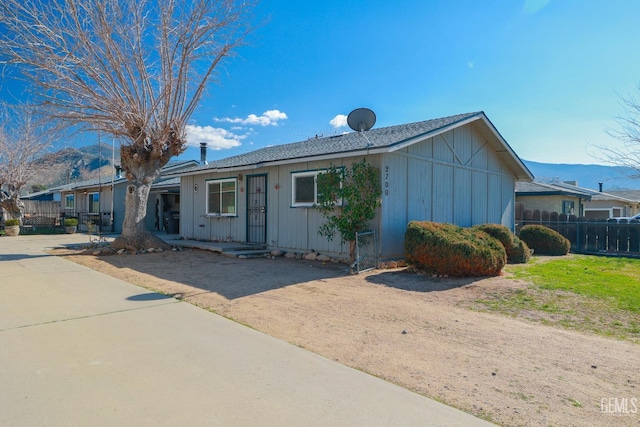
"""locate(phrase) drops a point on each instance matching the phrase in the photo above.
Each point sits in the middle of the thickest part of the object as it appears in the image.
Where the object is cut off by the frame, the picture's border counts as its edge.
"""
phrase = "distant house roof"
(627, 194)
(595, 194)
(542, 189)
(107, 180)
(565, 189)
(377, 140)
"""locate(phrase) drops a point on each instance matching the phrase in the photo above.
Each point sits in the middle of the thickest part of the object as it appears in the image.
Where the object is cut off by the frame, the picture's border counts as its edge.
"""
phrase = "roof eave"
(552, 193)
(330, 156)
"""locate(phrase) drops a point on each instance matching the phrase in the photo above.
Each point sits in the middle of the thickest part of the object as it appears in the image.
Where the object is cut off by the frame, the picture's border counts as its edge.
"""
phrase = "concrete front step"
(233, 249)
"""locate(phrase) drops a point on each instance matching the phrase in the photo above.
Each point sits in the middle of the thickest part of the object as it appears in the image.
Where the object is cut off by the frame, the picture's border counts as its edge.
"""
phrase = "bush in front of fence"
(449, 250)
(544, 241)
(517, 251)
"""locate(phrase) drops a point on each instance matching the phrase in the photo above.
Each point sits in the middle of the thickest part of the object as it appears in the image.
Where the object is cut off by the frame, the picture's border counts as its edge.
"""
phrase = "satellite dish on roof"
(361, 119)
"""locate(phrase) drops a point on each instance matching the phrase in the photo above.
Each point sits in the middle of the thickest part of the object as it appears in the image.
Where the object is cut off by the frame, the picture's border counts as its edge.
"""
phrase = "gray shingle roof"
(539, 188)
(627, 194)
(353, 141)
(563, 188)
(595, 194)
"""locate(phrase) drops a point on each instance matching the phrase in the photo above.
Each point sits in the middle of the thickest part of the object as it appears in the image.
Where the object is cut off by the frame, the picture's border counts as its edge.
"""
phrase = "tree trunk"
(134, 234)
(10, 202)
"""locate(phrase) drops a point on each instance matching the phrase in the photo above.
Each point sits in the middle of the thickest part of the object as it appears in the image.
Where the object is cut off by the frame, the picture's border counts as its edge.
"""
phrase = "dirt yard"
(412, 330)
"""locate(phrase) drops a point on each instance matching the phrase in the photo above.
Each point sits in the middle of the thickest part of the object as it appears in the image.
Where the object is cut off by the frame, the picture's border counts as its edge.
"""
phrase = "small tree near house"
(22, 140)
(348, 198)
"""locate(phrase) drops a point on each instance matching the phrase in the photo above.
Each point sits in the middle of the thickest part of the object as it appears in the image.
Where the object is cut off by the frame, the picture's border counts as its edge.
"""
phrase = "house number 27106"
(386, 180)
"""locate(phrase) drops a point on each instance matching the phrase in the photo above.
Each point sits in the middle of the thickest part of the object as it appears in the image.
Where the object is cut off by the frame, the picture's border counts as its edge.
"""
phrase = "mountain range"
(587, 176)
(72, 164)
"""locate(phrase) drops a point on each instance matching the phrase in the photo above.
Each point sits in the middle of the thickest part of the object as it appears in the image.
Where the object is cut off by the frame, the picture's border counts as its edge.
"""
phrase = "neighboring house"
(567, 197)
(603, 205)
(550, 198)
(632, 195)
(455, 169)
(101, 200)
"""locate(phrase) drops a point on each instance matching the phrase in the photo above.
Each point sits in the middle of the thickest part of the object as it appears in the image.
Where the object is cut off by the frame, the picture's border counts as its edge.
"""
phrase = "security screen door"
(257, 209)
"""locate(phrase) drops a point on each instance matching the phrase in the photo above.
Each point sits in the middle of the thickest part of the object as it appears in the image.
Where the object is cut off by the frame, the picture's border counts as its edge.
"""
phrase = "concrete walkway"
(80, 348)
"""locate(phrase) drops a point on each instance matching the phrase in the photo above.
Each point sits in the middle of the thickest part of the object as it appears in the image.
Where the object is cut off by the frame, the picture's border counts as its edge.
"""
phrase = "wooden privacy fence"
(595, 237)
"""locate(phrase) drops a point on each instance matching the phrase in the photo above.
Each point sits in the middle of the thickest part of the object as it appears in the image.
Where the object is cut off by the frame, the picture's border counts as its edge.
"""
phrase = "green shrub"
(517, 251)
(11, 222)
(449, 250)
(520, 253)
(544, 241)
(70, 222)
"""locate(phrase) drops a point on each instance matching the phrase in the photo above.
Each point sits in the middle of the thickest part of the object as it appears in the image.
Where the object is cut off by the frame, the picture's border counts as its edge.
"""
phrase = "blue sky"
(548, 74)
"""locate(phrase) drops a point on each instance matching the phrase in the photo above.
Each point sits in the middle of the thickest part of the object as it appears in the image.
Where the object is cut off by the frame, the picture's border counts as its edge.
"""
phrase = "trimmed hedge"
(545, 241)
(517, 251)
(449, 250)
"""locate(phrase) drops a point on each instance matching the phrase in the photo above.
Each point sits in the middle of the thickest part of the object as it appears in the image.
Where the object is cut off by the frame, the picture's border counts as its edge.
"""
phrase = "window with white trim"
(70, 201)
(94, 202)
(567, 207)
(304, 188)
(222, 197)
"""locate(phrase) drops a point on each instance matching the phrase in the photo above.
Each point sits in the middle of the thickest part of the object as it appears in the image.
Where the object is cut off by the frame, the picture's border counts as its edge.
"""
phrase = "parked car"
(628, 218)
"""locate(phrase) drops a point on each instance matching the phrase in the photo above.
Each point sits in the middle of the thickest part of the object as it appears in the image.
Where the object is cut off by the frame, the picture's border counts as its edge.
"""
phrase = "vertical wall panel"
(508, 200)
(479, 195)
(293, 222)
(442, 193)
(493, 162)
(419, 201)
(463, 141)
(186, 206)
(394, 204)
(462, 197)
(201, 224)
(441, 149)
(495, 199)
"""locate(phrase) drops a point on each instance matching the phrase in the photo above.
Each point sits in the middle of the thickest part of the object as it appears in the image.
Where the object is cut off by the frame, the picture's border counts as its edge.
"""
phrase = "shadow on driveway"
(148, 297)
(19, 257)
(211, 272)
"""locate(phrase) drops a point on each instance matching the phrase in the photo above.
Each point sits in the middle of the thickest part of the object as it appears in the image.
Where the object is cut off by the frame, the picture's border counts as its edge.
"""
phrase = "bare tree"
(22, 140)
(135, 69)
(628, 132)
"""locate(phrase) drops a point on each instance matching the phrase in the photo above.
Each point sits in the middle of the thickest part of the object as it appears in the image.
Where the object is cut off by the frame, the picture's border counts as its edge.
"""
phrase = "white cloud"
(339, 121)
(216, 138)
(471, 64)
(268, 118)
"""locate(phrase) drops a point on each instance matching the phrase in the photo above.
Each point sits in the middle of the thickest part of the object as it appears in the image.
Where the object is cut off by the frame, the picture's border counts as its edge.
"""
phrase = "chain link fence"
(367, 254)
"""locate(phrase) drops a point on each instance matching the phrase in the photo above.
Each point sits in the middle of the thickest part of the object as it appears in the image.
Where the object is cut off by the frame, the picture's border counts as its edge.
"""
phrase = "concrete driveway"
(80, 348)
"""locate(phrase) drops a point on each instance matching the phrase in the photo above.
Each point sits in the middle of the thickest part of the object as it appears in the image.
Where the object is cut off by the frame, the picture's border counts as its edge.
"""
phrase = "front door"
(257, 209)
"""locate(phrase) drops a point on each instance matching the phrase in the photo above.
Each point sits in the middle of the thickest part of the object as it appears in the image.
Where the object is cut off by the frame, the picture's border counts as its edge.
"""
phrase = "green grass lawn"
(595, 294)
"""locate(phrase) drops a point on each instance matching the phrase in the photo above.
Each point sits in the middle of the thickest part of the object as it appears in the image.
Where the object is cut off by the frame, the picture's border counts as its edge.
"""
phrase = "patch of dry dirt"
(408, 329)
